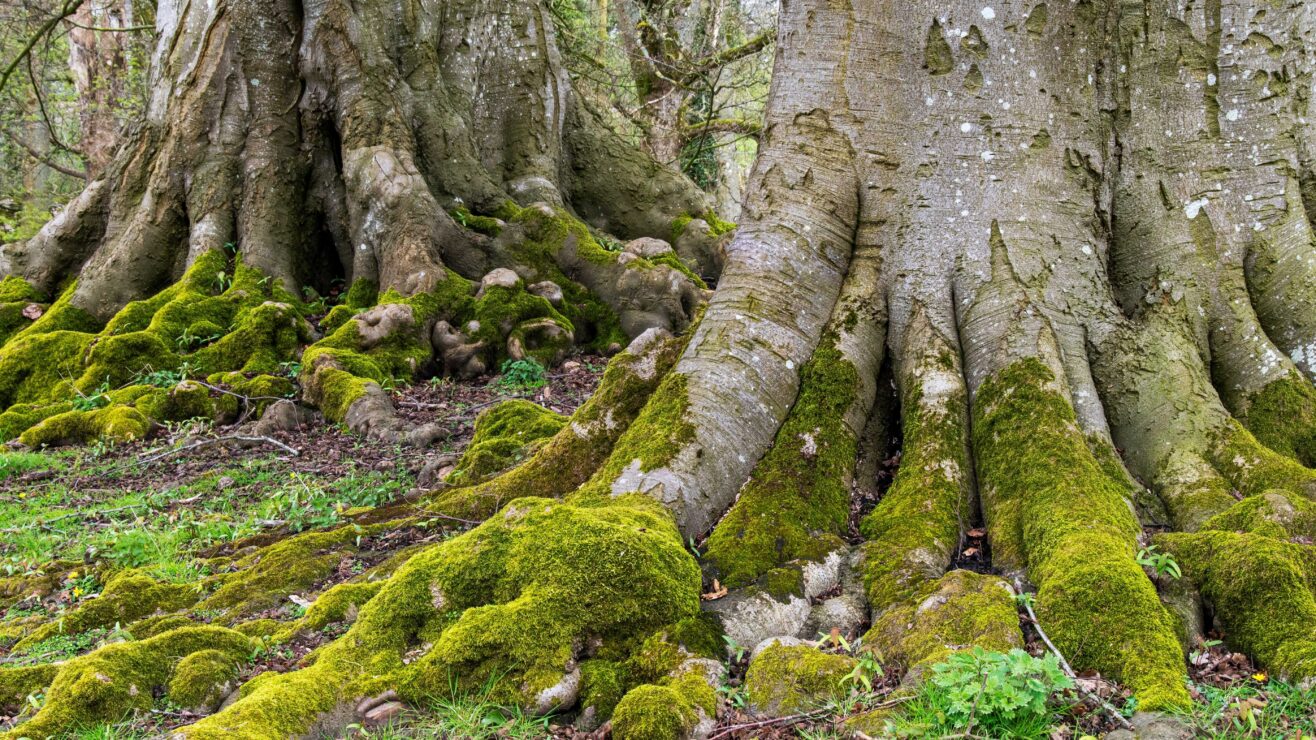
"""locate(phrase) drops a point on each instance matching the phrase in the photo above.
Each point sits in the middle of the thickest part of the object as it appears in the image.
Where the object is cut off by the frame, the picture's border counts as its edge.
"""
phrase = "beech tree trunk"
(1078, 236)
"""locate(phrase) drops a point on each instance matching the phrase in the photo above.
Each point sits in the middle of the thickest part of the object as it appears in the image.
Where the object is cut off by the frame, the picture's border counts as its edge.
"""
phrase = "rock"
(498, 278)
(784, 641)
(435, 470)
(647, 247)
(379, 710)
(1153, 726)
(281, 416)
(785, 679)
(570, 366)
(549, 291)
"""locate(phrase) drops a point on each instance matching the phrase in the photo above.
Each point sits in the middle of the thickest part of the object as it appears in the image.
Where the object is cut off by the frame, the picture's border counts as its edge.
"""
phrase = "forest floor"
(167, 504)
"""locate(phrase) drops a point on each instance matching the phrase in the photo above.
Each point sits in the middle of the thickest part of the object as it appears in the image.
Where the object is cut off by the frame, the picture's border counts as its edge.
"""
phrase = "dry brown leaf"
(718, 592)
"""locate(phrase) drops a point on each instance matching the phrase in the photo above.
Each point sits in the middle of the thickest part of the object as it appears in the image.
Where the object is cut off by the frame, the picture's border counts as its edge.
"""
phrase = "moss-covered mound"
(505, 435)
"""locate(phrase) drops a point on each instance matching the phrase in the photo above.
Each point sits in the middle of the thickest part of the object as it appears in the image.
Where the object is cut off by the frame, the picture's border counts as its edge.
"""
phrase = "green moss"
(115, 423)
(1254, 469)
(652, 712)
(503, 311)
(187, 400)
(127, 597)
(157, 624)
(1077, 534)
(1192, 490)
(784, 680)
(203, 679)
(487, 225)
(513, 597)
(796, 504)
(602, 685)
(14, 289)
(912, 534)
(571, 457)
(339, 604)
(20, 682)
(656, 436)
(218, 318)
(504, 436)
(266, 578)
(1276, 514)
(664, 651)
(1261, 590)
(1283, 417)
(107, 684)
(961, 609)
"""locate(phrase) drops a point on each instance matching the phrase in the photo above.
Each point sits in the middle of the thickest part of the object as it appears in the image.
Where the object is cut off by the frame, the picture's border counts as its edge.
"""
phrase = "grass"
(161, 527)
(470, 715)
(1273, 710)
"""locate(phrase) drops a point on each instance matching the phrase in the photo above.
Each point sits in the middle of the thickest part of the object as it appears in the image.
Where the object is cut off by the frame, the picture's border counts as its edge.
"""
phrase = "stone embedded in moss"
(784, 679)
(961, 609)
(664, 712)
(504, 436)
(203, 679)
(796, 504)
(1077, 532)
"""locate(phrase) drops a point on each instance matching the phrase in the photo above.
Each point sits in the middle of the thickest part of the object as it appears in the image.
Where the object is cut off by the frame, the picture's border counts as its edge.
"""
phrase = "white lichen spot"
(989, 13)
(1194, 208)
(966, 127)
(1233, 115)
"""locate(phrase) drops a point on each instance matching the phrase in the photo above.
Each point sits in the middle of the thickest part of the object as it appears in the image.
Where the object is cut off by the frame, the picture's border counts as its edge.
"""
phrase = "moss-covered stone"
(796, 504)
(654, 712)
(787, 679)
(961, 609)
(1076, 533)
(17, 683)
(504, 435)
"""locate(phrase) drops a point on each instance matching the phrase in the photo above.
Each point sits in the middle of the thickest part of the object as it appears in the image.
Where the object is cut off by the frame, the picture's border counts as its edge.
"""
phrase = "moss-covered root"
(1253, 468)
(107, 684)
(1282, 416)
(1261, 590)
(127, 597)
(222, 320)
(1077, 534)
(505, 435)
(344, 374)
(526, 597)
(961, 609)
(578, 449)
(797, 501)
(914, 532)
(1192, 490)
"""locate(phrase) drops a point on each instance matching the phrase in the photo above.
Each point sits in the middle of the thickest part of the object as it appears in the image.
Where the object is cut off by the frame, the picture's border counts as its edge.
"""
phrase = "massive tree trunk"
(1091, 278)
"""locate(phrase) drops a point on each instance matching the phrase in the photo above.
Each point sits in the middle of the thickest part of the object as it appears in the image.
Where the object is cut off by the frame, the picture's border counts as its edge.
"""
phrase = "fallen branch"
(1064, 664)
(219, 440)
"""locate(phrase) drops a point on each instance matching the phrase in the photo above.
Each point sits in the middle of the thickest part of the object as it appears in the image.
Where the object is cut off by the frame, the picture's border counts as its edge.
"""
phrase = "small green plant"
(866, 668)
(223, 281)
(986, 694)
(97, 399)
(1161, 563)
(475, 715)
(163, 378)
(1025, 600)
(735, 649)
(523, 375)
(188, 341)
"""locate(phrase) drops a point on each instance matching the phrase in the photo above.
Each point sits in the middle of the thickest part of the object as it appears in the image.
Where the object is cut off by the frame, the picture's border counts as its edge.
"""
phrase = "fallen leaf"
(33, 311)
(977, 532)
(718, 592)
(970, 552)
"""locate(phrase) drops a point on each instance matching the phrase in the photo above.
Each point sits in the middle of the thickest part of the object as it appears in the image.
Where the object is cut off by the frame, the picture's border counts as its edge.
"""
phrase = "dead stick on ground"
(1124, 722)
(218, 440)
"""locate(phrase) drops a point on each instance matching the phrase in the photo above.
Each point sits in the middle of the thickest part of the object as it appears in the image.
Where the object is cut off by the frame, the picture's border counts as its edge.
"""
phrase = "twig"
(218, 440)
(1064, 664)
(70, 7)
(801, 717)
